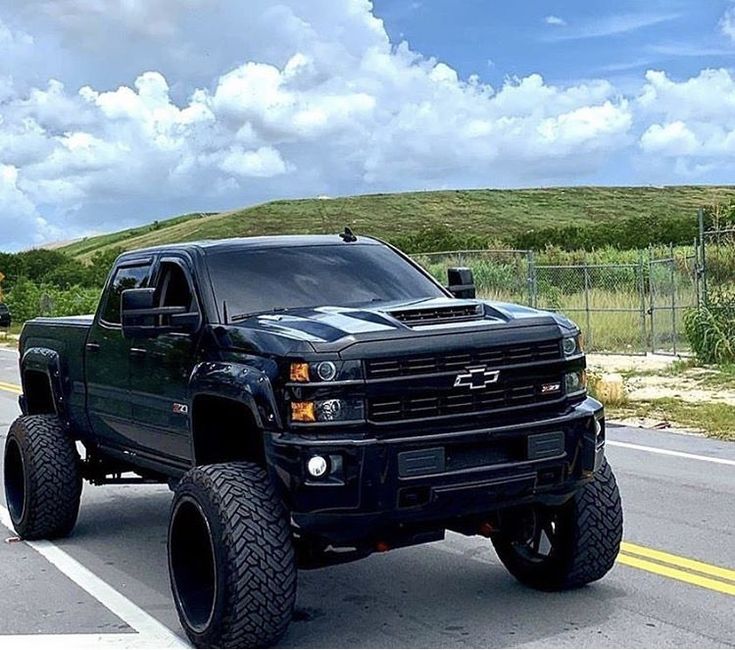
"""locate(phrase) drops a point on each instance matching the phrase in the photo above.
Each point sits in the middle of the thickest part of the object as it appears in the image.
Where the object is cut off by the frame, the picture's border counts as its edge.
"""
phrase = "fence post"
(652, 299)
(703, 252)
(672, 265)
(589, 336)
(531, 278)
(697, 270)
(642, 295)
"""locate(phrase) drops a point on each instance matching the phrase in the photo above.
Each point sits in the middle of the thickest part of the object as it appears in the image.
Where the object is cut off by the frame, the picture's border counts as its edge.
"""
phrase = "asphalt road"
(107, 585)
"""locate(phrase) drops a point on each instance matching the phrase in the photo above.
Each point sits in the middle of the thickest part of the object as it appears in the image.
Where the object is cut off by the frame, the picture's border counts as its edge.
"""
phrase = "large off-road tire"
(564, 547)
(231, 557)
(43, 480)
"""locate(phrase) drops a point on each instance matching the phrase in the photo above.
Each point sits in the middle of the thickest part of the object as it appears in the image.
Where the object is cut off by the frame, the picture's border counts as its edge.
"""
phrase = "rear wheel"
(43, 481)
(564, 547)
(231, 558)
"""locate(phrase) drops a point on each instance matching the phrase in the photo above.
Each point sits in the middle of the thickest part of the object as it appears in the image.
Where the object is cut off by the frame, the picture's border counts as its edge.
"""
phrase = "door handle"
(92, 347)
(138, 352)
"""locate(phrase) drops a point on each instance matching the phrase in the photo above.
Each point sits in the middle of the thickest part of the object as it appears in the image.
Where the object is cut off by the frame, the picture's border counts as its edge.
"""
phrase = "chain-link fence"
(713, 327)
(502, 275)
(630, 308)
(606, 301)
(673, 288)
(716, 260)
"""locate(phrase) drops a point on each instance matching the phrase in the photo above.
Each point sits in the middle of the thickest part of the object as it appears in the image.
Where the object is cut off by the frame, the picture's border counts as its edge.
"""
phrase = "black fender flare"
(47, 362)
(248, 384)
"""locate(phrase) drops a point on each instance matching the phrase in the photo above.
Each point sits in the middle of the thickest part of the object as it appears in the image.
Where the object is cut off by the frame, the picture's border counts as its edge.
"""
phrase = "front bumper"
(424, 480)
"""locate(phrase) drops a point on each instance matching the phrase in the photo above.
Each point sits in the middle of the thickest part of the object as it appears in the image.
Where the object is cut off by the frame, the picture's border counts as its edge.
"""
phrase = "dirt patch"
(654, 377)
(630, 363)
(663, 392)
(683, 387)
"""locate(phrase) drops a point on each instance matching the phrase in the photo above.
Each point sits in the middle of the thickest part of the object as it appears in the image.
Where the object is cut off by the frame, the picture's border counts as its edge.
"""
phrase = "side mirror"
(137, 299)
(142, 319)
(461, 282)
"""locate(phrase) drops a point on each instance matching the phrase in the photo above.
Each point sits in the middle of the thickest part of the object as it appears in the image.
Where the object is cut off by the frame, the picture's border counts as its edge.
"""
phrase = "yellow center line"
(678, 561)
(10, 388)
(677, 574)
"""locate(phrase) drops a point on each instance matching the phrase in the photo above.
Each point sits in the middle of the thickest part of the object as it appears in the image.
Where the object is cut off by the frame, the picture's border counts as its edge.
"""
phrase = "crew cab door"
(107, 359)
(160, 368)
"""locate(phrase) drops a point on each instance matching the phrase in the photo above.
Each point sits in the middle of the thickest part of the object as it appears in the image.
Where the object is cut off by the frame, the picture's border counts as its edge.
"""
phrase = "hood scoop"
(435, 315)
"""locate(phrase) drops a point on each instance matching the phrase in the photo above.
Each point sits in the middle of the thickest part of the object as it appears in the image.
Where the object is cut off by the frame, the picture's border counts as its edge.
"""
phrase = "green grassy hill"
(493, 214)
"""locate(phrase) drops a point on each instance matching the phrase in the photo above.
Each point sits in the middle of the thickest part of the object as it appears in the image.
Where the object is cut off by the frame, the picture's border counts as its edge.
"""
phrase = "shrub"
(711, 328)
(635, 232)
(27, 300)
(438, 238)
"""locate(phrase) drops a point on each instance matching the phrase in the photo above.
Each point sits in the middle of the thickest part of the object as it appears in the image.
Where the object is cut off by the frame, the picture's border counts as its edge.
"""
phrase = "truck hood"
(334, 329)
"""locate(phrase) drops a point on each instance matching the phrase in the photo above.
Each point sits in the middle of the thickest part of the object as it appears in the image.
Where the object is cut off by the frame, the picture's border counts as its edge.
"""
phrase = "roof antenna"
(348, 235)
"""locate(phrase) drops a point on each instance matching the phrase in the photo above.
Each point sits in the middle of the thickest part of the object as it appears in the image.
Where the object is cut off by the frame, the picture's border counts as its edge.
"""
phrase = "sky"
(115, 113)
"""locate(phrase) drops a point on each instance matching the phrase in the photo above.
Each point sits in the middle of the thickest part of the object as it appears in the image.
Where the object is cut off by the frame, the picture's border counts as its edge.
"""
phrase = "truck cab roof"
(254, 243)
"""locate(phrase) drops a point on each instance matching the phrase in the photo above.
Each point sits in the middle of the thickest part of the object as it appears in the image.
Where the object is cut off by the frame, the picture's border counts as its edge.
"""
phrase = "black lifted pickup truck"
(311, 400)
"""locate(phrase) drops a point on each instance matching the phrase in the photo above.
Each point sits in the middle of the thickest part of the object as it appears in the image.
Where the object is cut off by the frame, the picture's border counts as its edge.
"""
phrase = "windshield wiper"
(275, 310)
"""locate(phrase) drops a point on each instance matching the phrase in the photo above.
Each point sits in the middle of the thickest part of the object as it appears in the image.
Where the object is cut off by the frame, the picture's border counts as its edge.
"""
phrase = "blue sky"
(564, 41)
(119, 112)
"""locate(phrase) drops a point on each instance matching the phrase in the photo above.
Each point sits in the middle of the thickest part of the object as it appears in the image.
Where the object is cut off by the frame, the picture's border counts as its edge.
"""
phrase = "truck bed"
(66, 337)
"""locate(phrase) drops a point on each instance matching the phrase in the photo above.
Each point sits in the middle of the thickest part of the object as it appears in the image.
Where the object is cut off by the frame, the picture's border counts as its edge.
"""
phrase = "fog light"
(575, 382)
(317, 466)
(329, 409)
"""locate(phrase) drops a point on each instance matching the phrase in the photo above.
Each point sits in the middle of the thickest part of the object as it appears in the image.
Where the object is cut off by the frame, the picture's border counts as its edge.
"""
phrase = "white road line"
(75, 641)
(670, 452)
(149, 628)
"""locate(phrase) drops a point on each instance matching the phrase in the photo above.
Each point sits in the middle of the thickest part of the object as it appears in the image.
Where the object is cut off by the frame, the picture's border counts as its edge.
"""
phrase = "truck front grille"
(487, 400)
(455, 361)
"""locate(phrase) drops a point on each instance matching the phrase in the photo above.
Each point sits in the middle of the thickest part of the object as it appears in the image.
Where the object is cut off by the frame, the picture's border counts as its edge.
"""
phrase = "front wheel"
(231, 558)
(564, 547)
(43, 480)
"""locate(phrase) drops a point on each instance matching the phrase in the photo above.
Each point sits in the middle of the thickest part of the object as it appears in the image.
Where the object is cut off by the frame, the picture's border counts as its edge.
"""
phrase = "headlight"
(575, 382)
(328, 410)
(326, 370)
(571, 345)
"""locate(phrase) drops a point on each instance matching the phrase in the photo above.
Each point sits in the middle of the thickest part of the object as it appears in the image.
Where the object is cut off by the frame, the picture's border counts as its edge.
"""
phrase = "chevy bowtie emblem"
(476, 378)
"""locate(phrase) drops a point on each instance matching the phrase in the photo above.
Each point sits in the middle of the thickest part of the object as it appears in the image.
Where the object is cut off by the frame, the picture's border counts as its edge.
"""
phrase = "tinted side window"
(127, 277)
(173, 287)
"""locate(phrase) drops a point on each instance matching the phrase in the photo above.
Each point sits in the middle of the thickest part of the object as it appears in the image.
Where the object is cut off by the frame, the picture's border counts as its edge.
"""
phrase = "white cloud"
(309, 99)
(13, 39)
(727, 23)
(708, 97)
(615, 25)
(263, 163)
(694, 120)
(555, 20)
(671, 139)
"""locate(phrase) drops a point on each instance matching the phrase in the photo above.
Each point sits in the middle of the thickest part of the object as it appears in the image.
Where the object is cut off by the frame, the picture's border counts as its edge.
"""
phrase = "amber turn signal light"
(303, 412)
(299, 372)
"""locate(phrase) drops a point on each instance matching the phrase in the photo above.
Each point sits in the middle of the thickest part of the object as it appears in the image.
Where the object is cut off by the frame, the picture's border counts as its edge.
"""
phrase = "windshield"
(260, 280)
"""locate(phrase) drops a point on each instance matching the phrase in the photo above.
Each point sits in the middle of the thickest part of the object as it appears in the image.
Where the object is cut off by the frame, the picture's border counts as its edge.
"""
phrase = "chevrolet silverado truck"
(312, 400)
